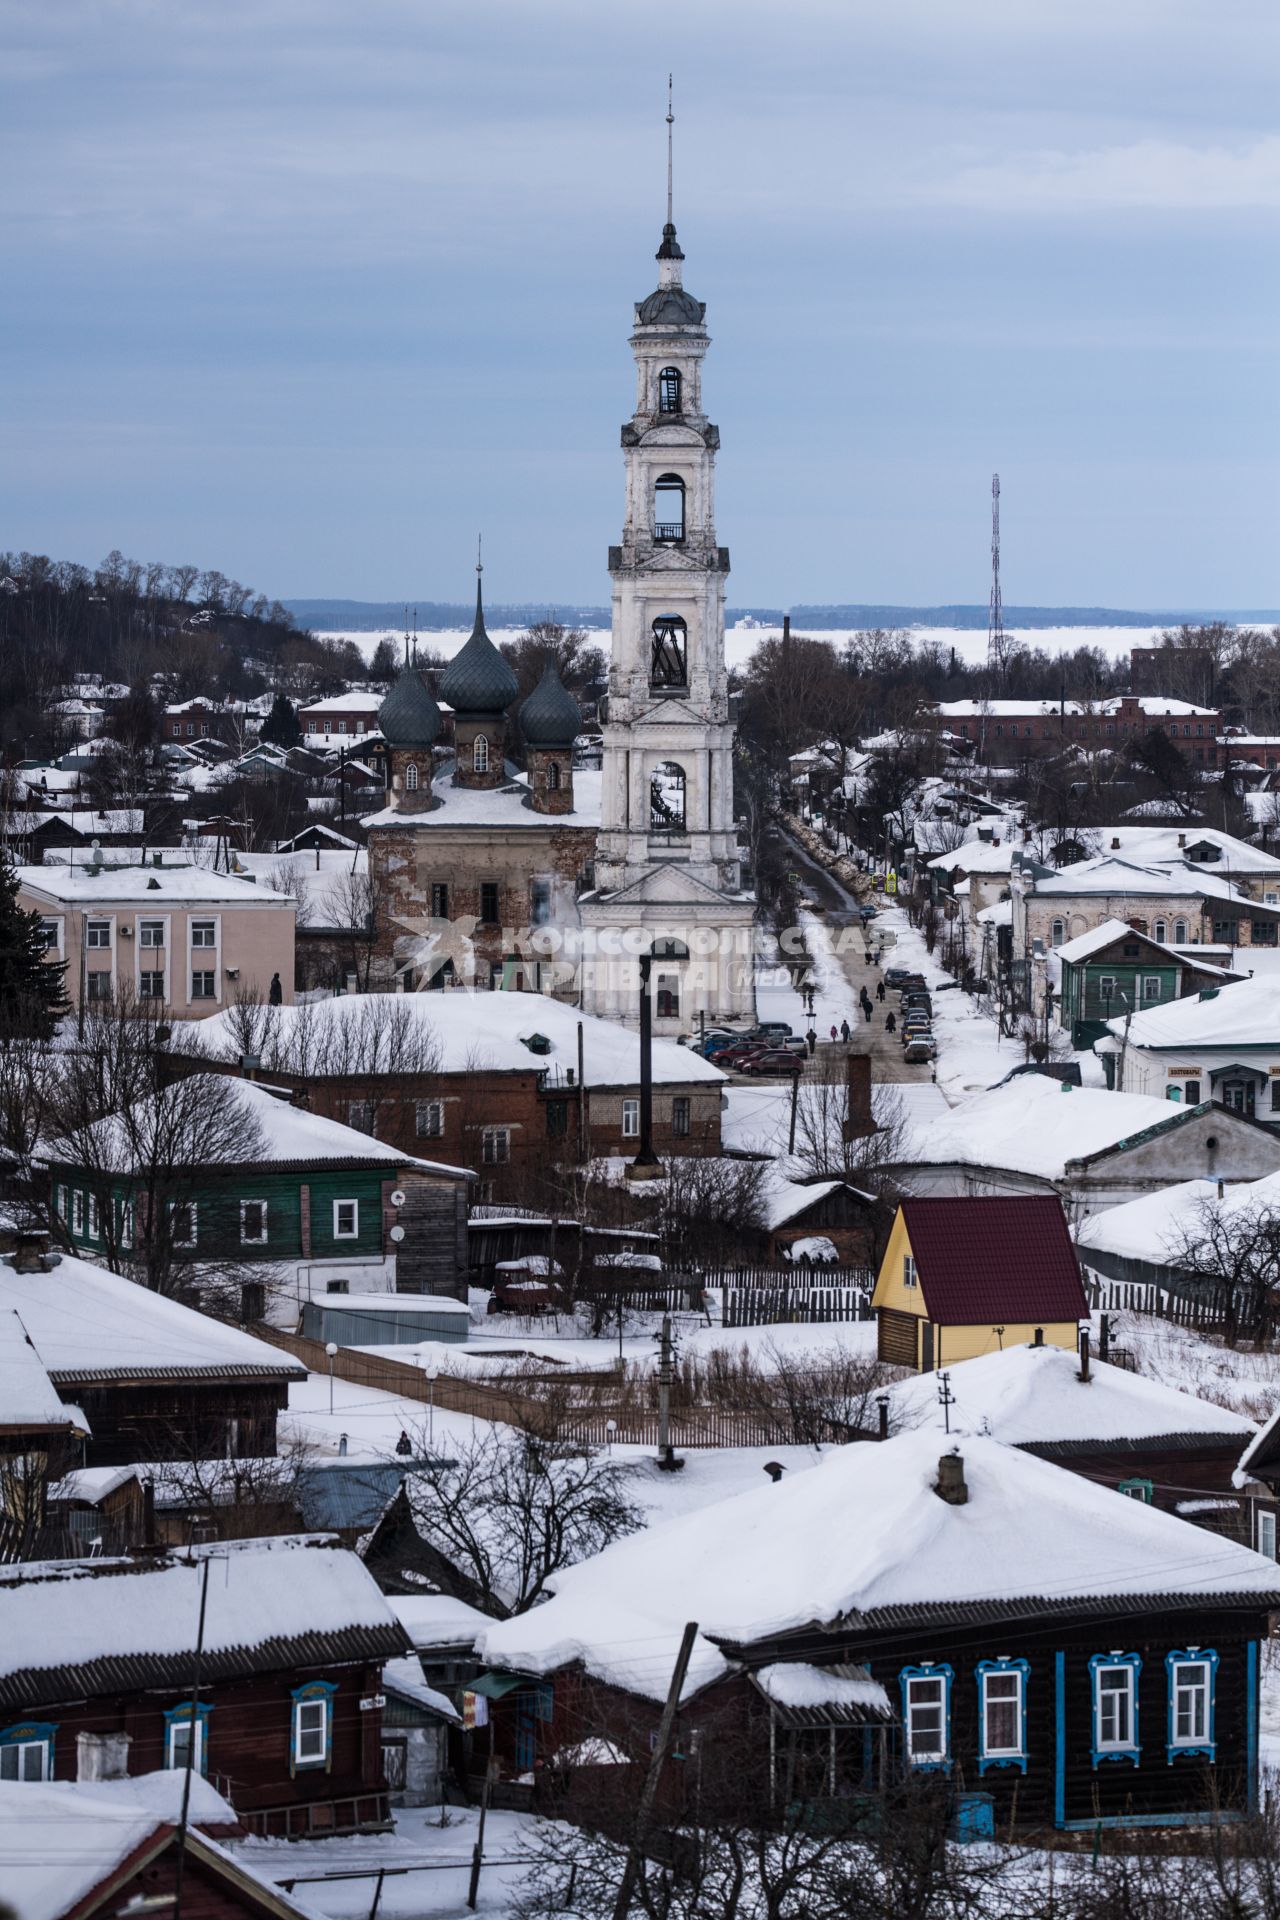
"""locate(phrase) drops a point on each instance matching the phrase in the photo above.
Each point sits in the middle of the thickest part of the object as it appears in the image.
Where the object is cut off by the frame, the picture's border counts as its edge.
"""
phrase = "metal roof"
(478, 679)
(988, 1261)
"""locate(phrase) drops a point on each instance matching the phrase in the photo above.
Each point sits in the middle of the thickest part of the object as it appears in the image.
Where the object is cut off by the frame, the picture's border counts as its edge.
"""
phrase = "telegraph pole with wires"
(193, 1742)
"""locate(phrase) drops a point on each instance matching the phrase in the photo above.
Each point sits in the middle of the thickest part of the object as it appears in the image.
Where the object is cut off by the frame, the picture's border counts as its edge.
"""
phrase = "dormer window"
(669, 384)
(480, 753)
(668, 508)
(411, 777)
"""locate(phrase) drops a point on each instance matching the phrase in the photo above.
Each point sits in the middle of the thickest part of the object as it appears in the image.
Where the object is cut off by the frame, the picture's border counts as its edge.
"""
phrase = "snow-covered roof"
(87, 1324)
(364, 702)
(403, 1676)
(283, 1135)
(1244, 1013)
(978, 856)
(794, 1683)
(1035, 1125)
(149, 886)
(998, 914)
(497, 807)
(62, 1615)
(859, 1537)
(392, 1303)
(1029, 1396)
(486, 1032)
(1153, 1227)
(438, 1620)
(28, 1398)
(1113, 873)
(86, 820)
(1153, 704)
(1085, 945)
(92, 1484)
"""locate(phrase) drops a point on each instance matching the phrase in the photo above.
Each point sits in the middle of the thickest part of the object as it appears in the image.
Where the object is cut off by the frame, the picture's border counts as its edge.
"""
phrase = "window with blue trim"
(178, 1734)
(1191, 1675)
(926, 1714)
(1114, 1679)
(26, 1750)
(1138, 1490)
(1002, 1713)
(311, 1726)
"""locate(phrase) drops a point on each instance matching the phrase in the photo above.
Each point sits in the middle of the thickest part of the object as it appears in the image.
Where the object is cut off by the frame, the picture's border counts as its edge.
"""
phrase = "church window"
(668, 661)
(666, 798)
(553, 774)
(668, 999)
(480, 753)
(411, 777)
(668, 508)
(540, 903)
(440, 900)
(669, 390)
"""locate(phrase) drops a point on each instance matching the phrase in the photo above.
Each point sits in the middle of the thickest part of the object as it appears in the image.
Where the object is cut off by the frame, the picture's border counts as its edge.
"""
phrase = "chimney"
(951, 1484)
(1222, 1190)
(1115, 841)
(858, 1120)
(1182, 839)
(1084, 1353)
(774, 1469)
(1038, 1340)
(102, 1756)
(882, 1408)
(29, 1252)
(148, 1513)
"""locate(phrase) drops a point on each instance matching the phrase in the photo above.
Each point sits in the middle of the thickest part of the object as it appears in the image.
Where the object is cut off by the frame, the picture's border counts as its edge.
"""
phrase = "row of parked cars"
(915, 1017)
(768, 1049)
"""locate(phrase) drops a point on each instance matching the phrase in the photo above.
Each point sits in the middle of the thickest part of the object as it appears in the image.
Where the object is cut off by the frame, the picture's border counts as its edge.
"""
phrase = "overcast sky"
(311, 290)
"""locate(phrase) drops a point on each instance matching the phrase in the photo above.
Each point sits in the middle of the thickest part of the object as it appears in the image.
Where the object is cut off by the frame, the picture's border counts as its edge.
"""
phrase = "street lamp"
(431, 1370)
(610, 1428)
(331, 1348)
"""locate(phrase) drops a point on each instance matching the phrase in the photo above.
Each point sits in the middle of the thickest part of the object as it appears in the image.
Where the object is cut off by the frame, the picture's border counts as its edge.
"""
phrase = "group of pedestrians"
(845, 1031)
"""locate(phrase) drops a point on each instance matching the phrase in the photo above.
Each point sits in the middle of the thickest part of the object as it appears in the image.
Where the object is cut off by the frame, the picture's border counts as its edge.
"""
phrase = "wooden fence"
(1140, 1296)
(746, 1304)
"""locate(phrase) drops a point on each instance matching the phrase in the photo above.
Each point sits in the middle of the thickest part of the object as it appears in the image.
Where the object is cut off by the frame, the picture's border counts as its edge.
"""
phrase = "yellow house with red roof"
(963, 1277)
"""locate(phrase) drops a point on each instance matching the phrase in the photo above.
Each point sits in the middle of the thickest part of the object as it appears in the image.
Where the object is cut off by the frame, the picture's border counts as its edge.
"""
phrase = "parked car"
(917, 997)
(770, 1030)
(731, 1059)
(867, 913)
(919, 1048)
(773, 1060)
(712, 1042)
(896, 977)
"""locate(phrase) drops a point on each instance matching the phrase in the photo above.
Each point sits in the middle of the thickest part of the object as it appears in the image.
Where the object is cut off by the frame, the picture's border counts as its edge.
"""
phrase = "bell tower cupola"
(479, 686)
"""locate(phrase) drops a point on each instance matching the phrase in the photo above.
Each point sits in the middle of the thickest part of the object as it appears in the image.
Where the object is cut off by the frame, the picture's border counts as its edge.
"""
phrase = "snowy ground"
(1236, 1377)
(442, 1855)
(971, 1054)
(371, 1422)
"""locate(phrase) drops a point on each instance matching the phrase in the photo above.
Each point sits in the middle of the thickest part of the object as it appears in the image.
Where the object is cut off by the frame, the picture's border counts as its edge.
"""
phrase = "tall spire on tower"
(671, 119)
(669, 252)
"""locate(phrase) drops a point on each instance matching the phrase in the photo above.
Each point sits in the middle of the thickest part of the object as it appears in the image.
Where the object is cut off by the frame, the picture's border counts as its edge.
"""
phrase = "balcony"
(669, 532)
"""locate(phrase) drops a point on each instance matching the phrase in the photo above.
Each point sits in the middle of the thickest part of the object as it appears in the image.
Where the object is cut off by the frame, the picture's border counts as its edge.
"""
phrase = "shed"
(386, 1319)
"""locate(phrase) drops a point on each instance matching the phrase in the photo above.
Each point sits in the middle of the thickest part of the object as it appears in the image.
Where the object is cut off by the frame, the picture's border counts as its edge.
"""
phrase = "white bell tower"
(667, 860)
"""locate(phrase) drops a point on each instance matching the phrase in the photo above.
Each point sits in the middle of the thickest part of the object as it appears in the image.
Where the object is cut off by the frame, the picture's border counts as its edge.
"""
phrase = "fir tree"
(281, 725)
(32, 996)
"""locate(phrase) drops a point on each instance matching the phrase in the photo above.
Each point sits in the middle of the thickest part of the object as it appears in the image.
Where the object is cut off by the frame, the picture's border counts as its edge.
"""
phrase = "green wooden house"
(221, 1175)
(1113, 970)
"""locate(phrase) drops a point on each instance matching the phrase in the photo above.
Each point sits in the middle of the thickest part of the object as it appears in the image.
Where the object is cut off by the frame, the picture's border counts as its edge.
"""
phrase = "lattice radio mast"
(995, 617)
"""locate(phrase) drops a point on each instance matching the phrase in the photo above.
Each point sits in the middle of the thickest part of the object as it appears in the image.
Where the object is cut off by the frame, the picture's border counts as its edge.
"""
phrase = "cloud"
(1153, 175)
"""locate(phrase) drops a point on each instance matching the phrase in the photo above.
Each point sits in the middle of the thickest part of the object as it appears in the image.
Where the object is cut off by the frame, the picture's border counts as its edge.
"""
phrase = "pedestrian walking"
(845, 1031)
(889, 1023)
(834, 1032)
(866, 1008)
(812, 1040)
(880, 991)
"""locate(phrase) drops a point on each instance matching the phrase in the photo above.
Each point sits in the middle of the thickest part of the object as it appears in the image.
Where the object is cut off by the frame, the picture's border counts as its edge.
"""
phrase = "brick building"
(1004, 732)
(345, 716)
(476, 867)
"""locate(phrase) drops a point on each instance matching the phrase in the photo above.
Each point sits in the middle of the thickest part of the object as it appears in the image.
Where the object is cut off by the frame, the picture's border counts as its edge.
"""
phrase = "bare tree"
(1231, 1254)
(712, 1209)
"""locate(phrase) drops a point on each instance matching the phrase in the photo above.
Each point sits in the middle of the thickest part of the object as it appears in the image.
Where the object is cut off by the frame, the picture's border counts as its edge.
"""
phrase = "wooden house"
(1047, 1651)
(359, 1214)
(113, 1848)
(98, 1672)
(1114, 969)
(150, 1378)
(969, 1276)
(1116, 1428)
(40, 1435)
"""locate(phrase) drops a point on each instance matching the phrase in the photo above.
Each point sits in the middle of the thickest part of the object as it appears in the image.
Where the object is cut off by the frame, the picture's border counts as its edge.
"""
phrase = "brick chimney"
(951, 1483)
(858, 1119)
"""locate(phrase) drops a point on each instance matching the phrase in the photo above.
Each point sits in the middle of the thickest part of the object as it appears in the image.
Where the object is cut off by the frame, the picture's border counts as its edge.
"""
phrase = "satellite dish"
(397, 1198)
(397, 1234)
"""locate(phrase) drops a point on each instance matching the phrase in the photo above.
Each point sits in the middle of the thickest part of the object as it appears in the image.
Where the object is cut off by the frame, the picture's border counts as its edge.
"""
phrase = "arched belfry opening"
(669, 653)
(670, 390)
(667, 798)
(668, 508)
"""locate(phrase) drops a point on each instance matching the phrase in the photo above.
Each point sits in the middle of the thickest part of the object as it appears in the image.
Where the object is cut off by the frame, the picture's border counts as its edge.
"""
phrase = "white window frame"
(936, 1755)
(91, 1221)
(301, 1757)
(146, 927)
(346, 1233)
(192, 1209)
(432, 1113)
(1199, 1689)
(153, 973)
(1128, 1693)
(910, 1271)
(202, 945)
(1002, 1678)
(495, 1146)
(77, 1212)
(1265, 1532)
(1179, 933)
(51, 924)
(1150, 988)
(18, 1748)
(172, 1732)
(480, 753)
(631, 1119)
(204, 973)
(254, 1240)
(126, 1222)
(93, 930)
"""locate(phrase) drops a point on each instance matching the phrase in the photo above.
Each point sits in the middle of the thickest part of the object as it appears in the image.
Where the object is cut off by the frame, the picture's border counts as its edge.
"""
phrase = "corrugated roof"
(1000, 1261)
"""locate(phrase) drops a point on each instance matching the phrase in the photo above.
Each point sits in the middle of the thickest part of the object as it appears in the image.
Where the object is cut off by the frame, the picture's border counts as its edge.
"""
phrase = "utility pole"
(644, 1811)
(995, 616)
(666, 1376)
(646, 1165)
(582, 1101)
(193, 1737)
(795, 1096)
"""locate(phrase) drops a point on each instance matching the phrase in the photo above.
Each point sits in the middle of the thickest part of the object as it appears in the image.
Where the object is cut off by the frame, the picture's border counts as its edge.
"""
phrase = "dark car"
(867, 913)
(774, 1060)
(770, 1030)
(732, 1059)
(897, 976)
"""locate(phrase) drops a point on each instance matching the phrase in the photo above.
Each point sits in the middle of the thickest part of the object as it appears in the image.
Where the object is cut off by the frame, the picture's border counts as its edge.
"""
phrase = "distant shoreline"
(435, 616)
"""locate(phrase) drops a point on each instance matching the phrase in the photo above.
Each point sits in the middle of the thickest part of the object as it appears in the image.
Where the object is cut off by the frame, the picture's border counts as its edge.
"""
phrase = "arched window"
(411, 776)
(668, 660)
(1180, 933)
(480, 754)
(553, 774)
(668, 507)
(669, 390)
(1162, 930)
(668, 997)
(666, 798)
(1058, 932)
